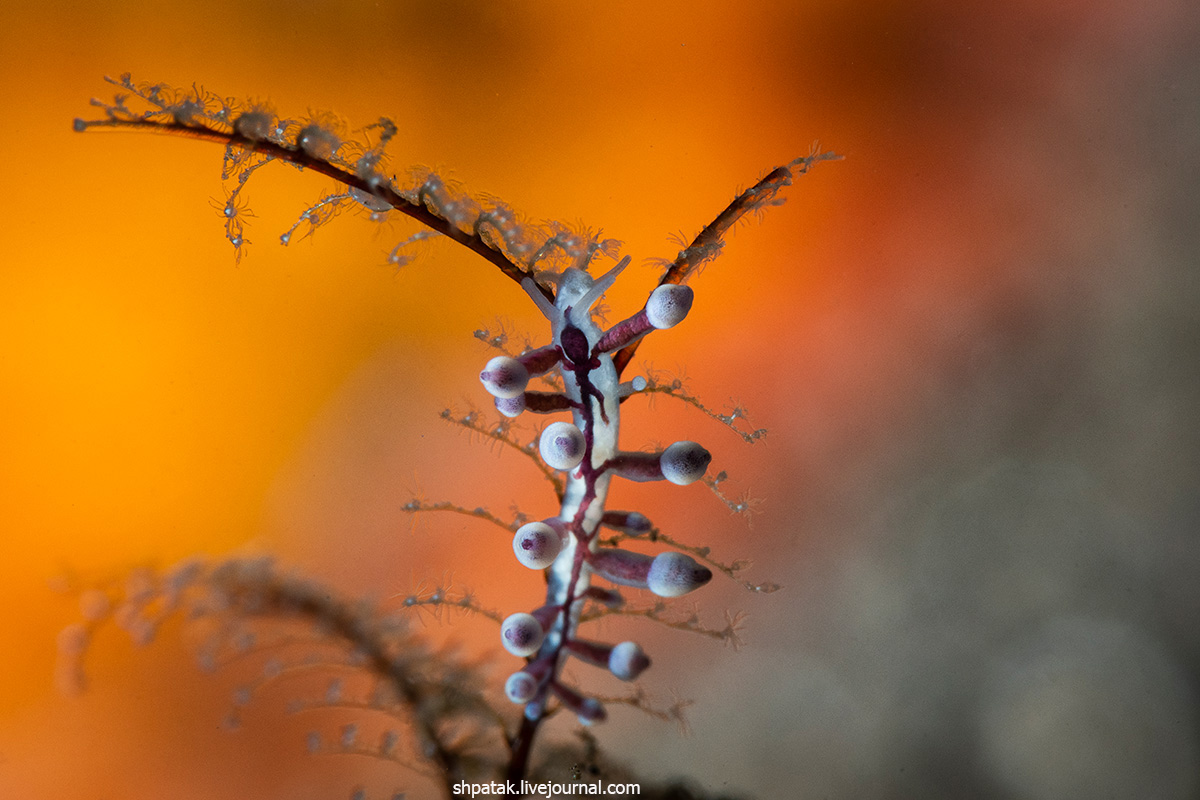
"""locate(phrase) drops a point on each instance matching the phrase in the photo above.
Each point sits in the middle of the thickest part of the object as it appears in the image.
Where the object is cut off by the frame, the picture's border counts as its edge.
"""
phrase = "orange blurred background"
(998, 280)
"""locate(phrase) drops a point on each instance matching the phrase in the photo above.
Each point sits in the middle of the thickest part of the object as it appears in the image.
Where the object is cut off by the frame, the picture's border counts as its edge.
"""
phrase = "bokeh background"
(974, 343)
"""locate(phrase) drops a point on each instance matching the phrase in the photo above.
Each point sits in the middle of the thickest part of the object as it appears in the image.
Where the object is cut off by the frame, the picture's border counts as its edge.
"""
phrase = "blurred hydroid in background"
(974, 344)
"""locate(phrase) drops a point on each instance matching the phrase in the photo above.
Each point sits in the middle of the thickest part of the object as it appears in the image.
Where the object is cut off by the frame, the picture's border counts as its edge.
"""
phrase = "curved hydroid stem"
(708, 243)
(294, 155)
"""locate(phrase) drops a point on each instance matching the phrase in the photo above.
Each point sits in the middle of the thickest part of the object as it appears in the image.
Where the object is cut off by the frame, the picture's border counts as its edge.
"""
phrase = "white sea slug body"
(586, 450)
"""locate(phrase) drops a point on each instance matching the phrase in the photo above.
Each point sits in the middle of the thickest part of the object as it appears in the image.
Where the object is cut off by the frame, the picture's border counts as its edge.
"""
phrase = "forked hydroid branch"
(582, 359)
